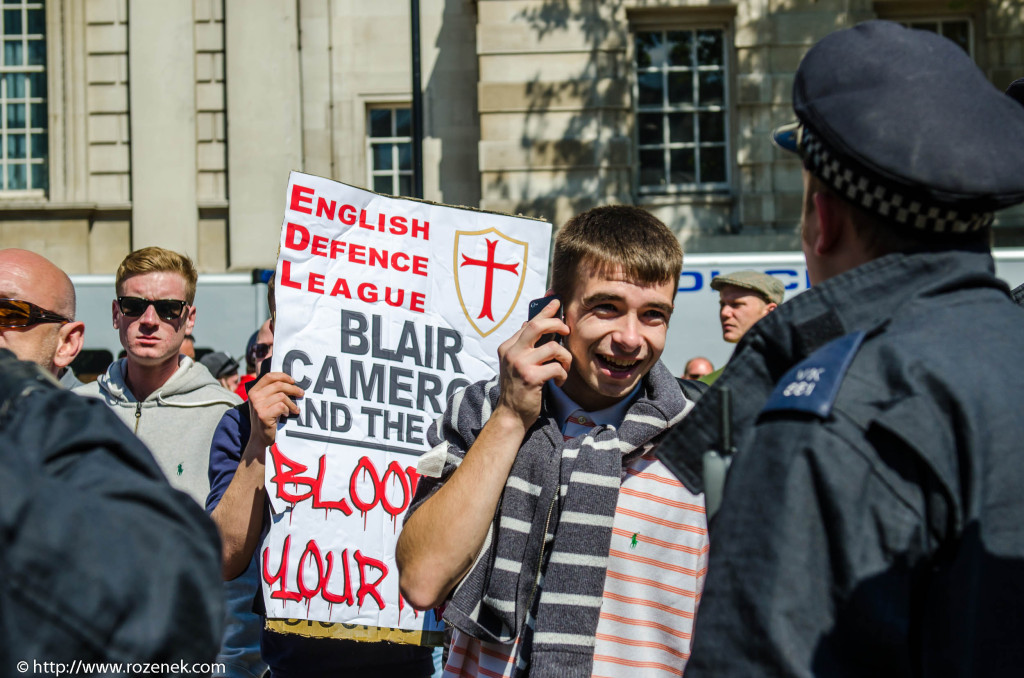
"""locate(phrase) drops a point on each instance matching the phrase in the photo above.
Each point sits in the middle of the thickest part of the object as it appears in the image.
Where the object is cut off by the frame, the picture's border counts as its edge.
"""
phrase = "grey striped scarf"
(552, 531)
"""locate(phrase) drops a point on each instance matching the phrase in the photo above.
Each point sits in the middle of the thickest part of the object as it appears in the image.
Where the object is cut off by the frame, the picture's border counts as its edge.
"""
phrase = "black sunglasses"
(18, 313)
(168, 309)
(259, 352)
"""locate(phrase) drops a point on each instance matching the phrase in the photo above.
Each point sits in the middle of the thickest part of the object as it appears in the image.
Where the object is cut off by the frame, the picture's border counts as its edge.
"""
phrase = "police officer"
(101, 561)
(872, 518)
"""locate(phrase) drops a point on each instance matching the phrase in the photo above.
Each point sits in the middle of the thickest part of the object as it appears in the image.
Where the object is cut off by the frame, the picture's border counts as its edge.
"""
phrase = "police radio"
(716, 464)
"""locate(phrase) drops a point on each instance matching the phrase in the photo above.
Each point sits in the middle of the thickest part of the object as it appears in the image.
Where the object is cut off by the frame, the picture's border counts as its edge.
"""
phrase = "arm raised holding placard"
(239, 515)
(442, 538)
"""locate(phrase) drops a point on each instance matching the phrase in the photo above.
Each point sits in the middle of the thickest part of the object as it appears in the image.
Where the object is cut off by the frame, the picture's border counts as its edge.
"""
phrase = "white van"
(231, 306)
(695, 330)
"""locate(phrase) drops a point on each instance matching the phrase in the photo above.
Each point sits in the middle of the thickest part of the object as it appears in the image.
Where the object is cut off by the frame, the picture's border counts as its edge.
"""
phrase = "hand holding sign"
(271, 400)
(386, 309)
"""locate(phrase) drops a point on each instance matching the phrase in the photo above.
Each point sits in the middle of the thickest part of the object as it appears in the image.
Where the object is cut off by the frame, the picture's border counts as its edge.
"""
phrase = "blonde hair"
(158, 260)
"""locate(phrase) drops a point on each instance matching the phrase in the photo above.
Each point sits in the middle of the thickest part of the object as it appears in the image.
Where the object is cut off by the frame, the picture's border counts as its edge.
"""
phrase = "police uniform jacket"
(100, 559)
(873, 519)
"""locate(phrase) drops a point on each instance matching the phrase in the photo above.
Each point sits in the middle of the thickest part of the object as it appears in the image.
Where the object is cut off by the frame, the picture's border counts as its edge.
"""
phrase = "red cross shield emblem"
(490, 268)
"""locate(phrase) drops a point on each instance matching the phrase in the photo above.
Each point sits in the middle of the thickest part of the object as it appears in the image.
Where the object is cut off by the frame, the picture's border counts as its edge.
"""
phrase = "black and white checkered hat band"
(876, 197)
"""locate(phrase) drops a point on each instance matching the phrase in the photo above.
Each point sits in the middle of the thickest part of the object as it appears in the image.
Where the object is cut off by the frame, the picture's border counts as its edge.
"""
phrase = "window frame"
(44, 98)
(910, 21)
(659, 23)
(396, 173)
(927, 11)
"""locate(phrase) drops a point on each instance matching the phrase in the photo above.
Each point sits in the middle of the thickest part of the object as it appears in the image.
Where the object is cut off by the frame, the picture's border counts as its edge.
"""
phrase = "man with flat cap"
(871, 518)
(744, 297)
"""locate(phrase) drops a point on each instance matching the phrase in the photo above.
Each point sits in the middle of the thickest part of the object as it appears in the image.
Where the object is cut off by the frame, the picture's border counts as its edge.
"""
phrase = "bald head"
(30, 277)
(697, 368)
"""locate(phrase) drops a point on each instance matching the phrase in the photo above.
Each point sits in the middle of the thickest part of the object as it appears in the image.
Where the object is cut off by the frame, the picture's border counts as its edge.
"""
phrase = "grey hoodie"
(176, 421)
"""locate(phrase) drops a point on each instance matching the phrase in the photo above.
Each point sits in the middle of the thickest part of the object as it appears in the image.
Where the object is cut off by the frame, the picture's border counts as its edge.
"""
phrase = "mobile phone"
(536, 306)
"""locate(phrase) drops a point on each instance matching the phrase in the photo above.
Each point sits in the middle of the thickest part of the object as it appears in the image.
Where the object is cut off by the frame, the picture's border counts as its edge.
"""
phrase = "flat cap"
(902, 123)
(219, 363)
(769, 287)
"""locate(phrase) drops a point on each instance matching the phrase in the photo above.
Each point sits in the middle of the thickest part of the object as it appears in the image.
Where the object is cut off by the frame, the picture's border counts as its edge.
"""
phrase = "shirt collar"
(563, 407)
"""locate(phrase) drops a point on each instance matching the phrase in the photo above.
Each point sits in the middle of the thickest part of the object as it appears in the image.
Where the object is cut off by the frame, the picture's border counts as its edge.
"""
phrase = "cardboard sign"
(385, 307)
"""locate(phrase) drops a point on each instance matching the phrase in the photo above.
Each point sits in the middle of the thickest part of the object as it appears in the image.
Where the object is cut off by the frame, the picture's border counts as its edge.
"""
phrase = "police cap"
(901, 123)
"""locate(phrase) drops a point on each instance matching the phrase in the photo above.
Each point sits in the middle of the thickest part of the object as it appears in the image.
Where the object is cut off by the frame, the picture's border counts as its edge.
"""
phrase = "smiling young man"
(172, 403)
(542, 517)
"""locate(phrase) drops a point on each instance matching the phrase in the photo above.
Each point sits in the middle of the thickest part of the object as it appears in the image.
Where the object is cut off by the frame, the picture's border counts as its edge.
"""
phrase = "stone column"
(264, 125)
(161, 66)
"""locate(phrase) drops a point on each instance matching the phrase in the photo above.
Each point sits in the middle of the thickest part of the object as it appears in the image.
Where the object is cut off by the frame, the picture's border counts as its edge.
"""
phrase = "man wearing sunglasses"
(37, 313)
(259, 349)
(172, 403)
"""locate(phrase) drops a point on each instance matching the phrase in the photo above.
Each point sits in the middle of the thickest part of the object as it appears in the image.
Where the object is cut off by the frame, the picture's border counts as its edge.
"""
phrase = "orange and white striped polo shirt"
(656, 568)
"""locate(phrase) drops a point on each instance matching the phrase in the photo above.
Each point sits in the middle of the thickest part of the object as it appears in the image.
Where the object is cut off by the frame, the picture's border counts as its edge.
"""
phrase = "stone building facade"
(128, 123)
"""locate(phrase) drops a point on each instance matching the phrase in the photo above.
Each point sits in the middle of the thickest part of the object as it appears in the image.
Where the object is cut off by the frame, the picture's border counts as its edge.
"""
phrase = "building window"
(23, 142)
(957, 30)
(389, 149)
(681, 110)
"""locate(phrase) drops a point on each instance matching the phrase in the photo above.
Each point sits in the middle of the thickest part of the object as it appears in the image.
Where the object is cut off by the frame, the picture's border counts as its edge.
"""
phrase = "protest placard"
(385, 308)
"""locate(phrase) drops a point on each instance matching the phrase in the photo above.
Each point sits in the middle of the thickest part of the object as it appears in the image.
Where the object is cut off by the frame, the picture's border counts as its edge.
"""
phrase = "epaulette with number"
(812, 385)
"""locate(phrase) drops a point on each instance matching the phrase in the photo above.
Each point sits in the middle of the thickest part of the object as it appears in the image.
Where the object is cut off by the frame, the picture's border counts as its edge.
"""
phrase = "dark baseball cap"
(902, 123)
(220, 364)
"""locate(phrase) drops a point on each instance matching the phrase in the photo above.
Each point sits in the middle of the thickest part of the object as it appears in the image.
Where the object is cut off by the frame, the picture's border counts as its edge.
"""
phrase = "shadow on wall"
(450, 105)
(591, 148)
(578, 130)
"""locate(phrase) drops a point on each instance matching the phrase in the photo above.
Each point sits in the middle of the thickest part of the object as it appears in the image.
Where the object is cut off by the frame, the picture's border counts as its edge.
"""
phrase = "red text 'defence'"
(298, 238)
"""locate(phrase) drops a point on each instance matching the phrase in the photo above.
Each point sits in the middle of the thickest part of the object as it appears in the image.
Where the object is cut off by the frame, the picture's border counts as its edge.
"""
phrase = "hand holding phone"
(536, 306)
(524, 368)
